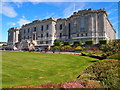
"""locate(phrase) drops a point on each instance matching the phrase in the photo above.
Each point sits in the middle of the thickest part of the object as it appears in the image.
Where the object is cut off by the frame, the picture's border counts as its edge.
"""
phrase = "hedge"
(57, 43)
(89, 42)
(76, 43)
(103, 41)
(66, 42)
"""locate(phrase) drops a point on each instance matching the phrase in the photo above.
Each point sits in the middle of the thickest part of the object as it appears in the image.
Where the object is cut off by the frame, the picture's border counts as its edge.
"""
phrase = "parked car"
(37, 50)
(1, 48)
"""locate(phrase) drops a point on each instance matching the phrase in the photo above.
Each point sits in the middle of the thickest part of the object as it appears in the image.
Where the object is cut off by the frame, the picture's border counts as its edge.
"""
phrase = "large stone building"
(83, 25)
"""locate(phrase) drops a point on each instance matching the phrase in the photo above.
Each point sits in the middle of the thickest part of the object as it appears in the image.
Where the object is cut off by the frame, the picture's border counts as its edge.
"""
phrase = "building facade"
(83, 25)
(13, 37)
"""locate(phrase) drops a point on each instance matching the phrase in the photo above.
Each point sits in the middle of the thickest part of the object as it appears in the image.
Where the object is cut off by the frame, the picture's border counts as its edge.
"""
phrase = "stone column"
(96, 28)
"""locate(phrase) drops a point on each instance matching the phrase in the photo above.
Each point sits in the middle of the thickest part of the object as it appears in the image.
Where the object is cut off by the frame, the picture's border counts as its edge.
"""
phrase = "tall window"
(47, 35)
(42, 28)
(47, 27)
(60, 26)
(81, 35)
(46, 42)
(34, 28)
(82, 29)
(24, 30)
(60, 35)
(34, 37)
(28, 30)
(28, 37)
(41, 42)
(41, 35)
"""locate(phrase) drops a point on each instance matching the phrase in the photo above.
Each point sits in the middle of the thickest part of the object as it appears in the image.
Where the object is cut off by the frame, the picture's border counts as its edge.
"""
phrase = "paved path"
(74, 53)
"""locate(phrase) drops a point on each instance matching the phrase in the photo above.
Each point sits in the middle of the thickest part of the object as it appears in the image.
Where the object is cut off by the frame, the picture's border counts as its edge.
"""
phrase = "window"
(24, 31)
(77, 35)
(34, 28)
(60, 35)
(34, 37)
(46, 42)
(81, 35)
(86, 34)
(28, 37)
(24, 37)
(28, 30)
(60, 26)
(82, 29)
(41, 42)
(47, 27)
(42, 28)
(41, 35)
(47, 35)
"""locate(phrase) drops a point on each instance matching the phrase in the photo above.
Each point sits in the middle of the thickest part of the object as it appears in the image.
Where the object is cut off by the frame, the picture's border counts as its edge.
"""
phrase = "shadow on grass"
(93, 61)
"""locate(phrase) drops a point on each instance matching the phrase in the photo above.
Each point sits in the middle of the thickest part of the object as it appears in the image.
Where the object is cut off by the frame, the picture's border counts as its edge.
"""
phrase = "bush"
(112, 47)
(114, 56)
(57, 43)
(87, 53)
(66, 43)
(105, 72)
(66, 48)
(77, 43)
(103, 41)
(78, 48)
(55, 48)
(89, 42)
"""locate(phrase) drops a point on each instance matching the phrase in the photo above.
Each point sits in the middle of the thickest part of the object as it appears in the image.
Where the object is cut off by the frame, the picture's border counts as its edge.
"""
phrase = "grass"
(33, 69)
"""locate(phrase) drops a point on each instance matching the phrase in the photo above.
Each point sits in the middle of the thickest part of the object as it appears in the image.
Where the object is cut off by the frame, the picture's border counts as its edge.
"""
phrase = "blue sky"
(15, 14)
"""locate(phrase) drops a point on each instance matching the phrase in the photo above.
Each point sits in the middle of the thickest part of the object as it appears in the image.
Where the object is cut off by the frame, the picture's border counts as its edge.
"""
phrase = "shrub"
(76, 43)
(57, 43)
(114, 56)
(88, 53)
(112, 47)
(94, 48)
(55, 48)
(89, 42)
(105, 72)
(103, 41)
(66, 43)
(78, 48)
(66, 48)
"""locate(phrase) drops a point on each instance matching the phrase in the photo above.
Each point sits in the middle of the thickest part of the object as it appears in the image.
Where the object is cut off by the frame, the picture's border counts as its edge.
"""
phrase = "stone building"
(83, 25)
(13, 37)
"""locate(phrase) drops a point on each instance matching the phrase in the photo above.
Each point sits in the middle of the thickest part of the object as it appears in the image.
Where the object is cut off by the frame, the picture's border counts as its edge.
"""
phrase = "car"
(1, 48)
(37, 49)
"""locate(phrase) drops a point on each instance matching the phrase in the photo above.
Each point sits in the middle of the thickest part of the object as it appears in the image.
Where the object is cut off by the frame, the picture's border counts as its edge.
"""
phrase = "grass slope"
(32, 69)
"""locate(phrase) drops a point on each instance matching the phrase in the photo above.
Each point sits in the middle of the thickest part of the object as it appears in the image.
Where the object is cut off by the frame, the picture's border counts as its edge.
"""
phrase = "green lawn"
(32, 69)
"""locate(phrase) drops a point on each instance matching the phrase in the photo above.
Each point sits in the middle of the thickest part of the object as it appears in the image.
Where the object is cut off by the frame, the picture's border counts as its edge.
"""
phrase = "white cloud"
(49, 15)
(115, 23)
(61, 0)
(111, 11)
(22, 21)
(72, 8)
(11, 24)
(7, 10)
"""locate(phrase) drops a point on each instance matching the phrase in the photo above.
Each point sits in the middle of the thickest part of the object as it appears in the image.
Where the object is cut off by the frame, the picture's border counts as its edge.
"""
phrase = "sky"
(15, 14)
